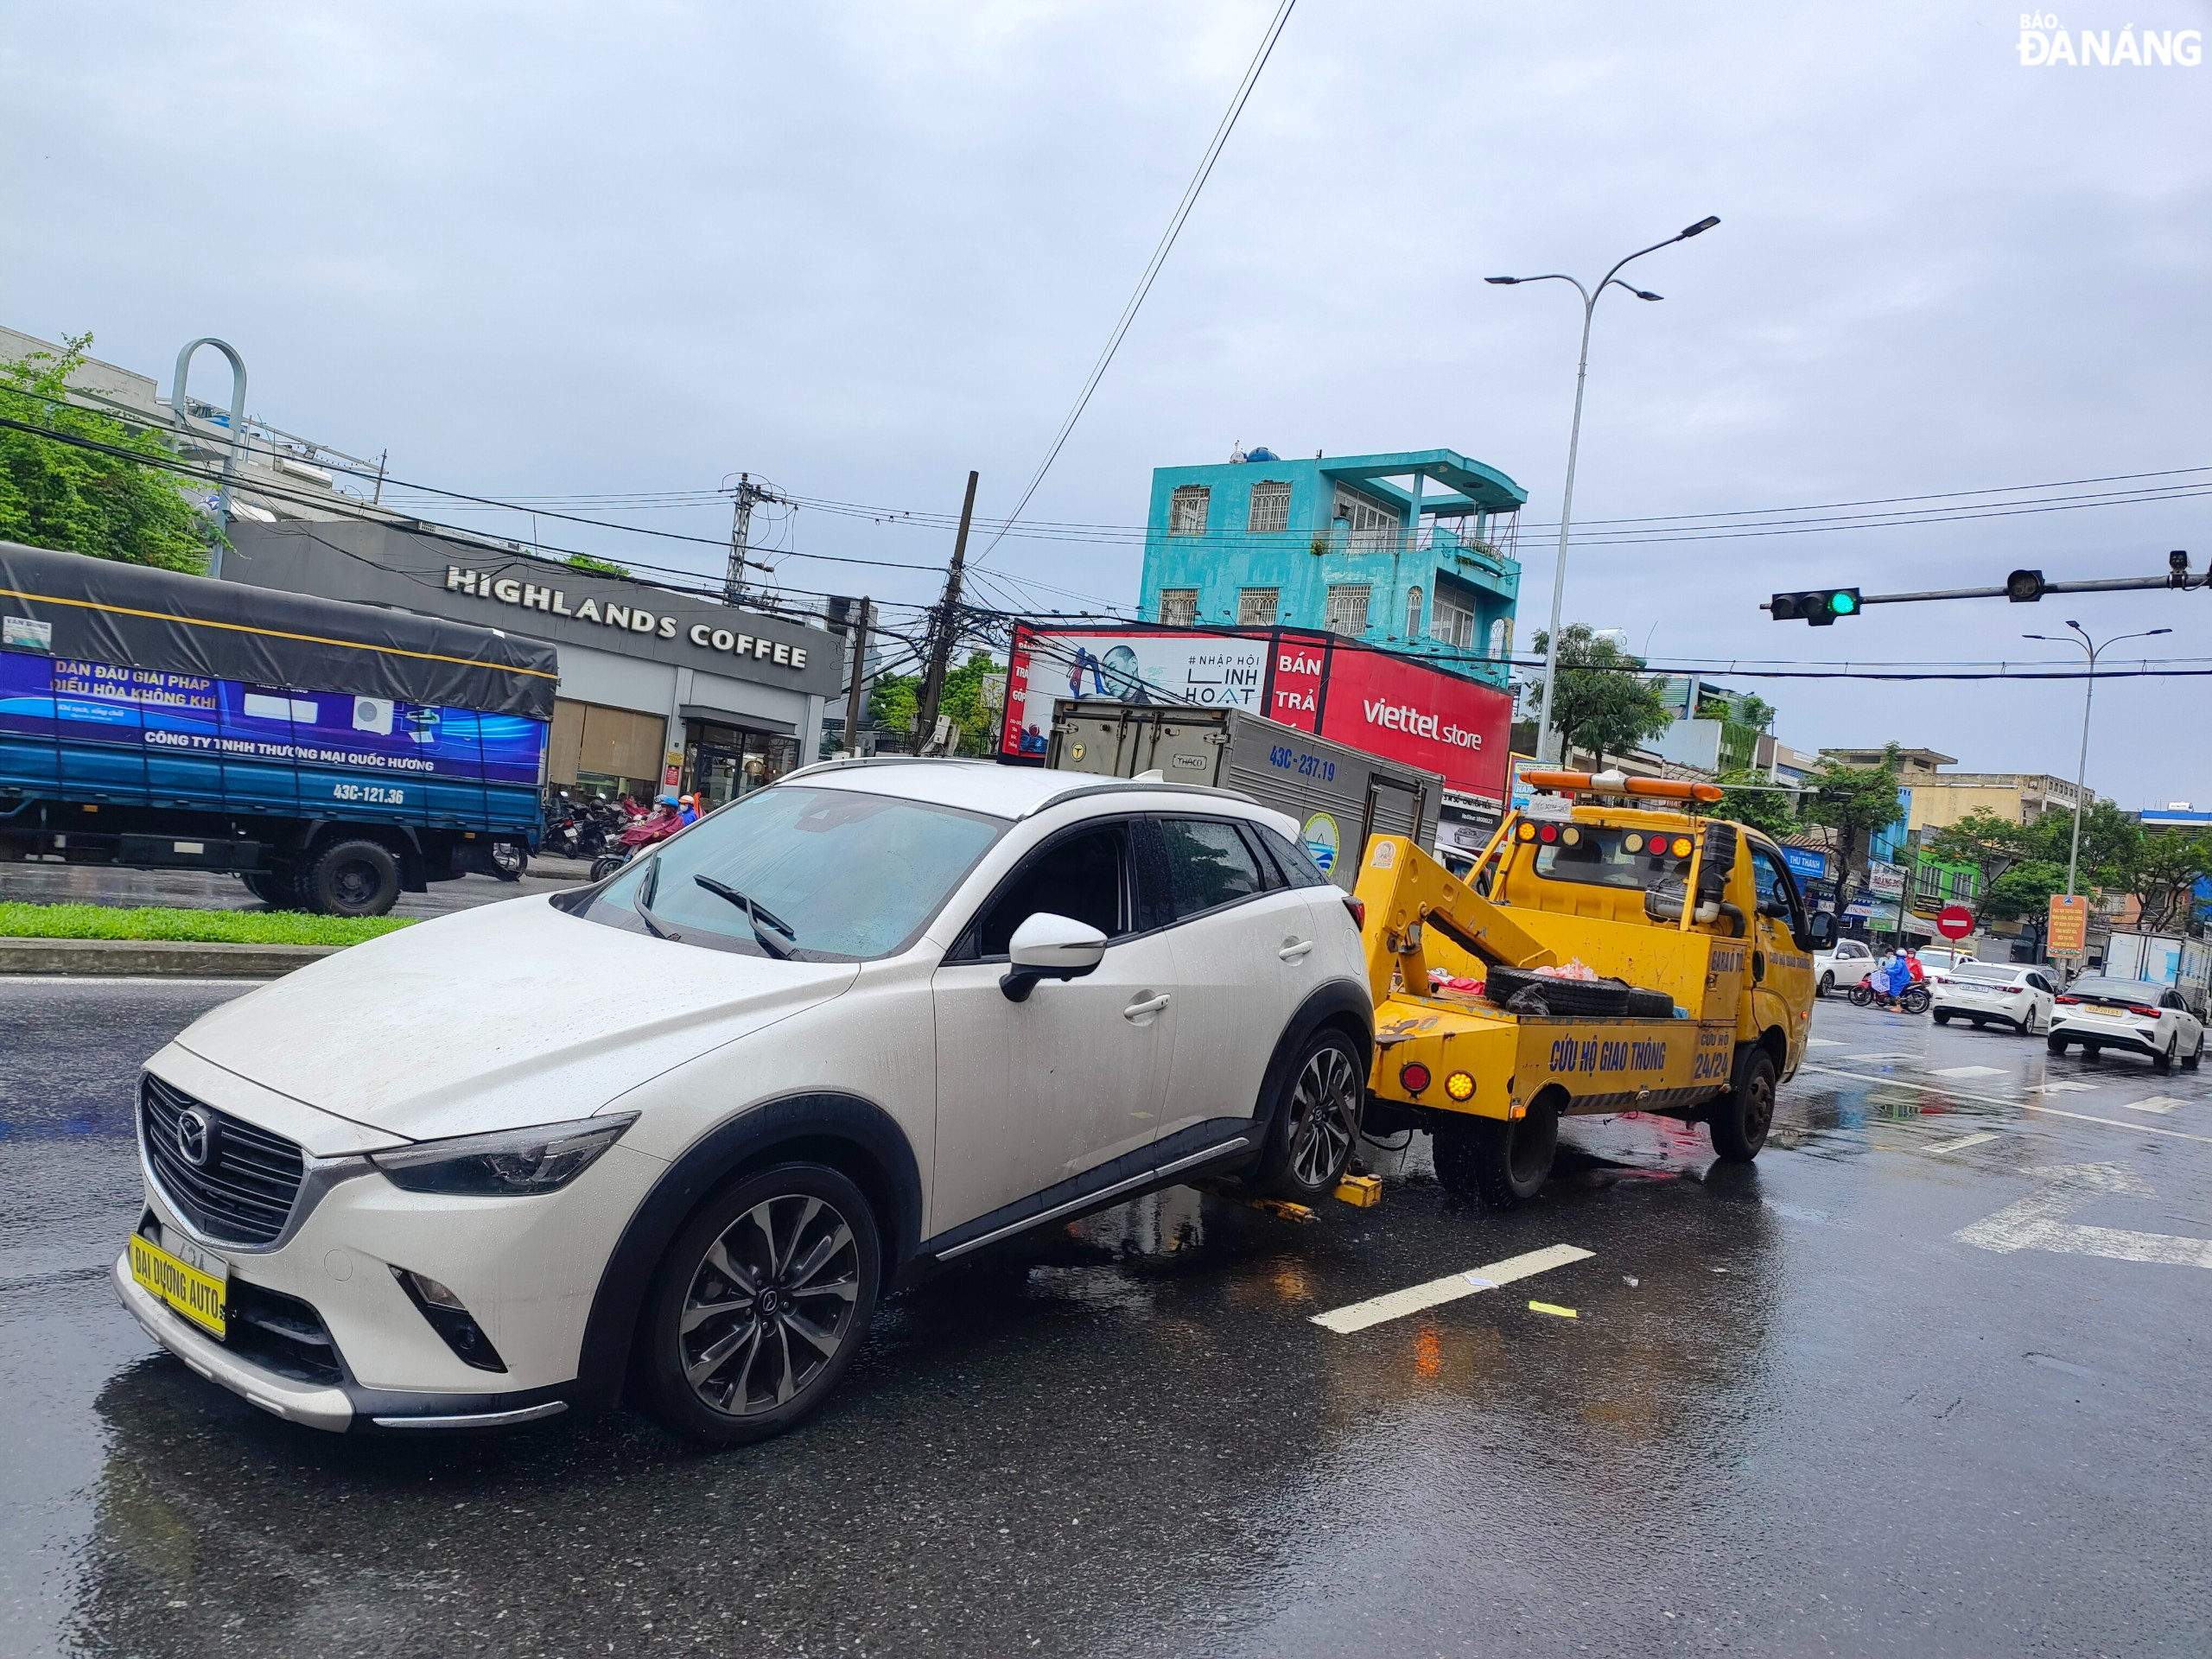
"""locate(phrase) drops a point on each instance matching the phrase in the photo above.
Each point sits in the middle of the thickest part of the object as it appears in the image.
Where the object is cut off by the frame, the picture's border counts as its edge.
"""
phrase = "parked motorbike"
(651, 830)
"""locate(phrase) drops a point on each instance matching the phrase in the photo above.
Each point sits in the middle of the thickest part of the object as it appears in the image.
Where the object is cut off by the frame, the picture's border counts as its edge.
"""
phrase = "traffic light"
(1820, 607)
(2023, 587)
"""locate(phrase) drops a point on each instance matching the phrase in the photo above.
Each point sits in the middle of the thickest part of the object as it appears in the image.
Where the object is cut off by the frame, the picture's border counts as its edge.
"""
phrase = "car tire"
(1943, 1018)
(2057, 1044)
(2165, 1062)
(802, 1239)
(1314, 1124)
(2092, 1051)
(1500, 1164)
(1739, 1120)
(2196, 1058)
(352, 878)
(1827, 987)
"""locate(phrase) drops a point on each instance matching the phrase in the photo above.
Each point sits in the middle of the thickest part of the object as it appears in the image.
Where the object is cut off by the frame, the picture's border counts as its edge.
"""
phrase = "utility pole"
(948, 618)
(741, 539)
(853, 693)
(2088, 695)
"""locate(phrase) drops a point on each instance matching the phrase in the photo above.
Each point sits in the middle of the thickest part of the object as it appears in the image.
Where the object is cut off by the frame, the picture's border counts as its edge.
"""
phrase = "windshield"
(833, 875)
(1986, 973)
(2116, 990)
(1613, 858)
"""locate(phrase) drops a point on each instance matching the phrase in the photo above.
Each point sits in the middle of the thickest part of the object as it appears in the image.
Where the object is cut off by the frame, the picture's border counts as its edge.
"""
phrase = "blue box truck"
(332, 755)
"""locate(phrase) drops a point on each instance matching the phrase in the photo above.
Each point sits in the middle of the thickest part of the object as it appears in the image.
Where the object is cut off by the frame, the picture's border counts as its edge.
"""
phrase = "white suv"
(680, 1129)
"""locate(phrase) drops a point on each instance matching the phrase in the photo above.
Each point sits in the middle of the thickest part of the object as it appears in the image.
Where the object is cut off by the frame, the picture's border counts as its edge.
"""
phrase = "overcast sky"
(553, 250)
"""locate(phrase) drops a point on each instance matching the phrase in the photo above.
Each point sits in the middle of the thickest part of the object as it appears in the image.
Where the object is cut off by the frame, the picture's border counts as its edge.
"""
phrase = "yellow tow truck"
(1695, 1007)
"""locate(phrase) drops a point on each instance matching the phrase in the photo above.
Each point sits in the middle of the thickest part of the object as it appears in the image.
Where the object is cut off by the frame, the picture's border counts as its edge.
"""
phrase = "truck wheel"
(1740, 1118)
(352, 878)
(760, 1304)
(1315, 1122)
(272, 889)
(1501, 1164)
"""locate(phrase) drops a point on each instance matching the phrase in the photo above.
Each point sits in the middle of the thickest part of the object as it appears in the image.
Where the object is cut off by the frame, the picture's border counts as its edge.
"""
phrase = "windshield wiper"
(755, 914)
(650, 885)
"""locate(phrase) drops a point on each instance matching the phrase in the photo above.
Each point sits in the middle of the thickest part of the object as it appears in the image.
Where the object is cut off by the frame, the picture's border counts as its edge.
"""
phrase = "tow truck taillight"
(1358, 912)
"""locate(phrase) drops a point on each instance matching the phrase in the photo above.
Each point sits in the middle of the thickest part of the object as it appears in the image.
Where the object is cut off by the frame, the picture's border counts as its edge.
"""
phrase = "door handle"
(1294, 949)
(1151, 1005)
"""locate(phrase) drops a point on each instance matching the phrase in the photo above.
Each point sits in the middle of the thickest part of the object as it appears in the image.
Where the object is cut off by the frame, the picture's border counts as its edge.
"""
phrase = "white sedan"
(2000, 991)
(2138, 1014)
(1841, 967)
(669, 1136)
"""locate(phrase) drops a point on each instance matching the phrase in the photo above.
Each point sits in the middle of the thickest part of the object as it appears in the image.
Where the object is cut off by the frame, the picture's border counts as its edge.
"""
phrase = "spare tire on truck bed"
(1594, 997)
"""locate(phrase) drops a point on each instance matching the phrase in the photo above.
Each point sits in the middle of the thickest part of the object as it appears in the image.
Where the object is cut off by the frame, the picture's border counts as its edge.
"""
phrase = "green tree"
(894, 702)
(1765, 808)
(596, 567)
(1605, 705)
(1995, 847)
(57, 495)
(1857, 803)
(2163, 874)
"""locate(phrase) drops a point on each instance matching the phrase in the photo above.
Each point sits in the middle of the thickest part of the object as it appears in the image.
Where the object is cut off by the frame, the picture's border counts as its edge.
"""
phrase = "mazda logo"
(195, 1137)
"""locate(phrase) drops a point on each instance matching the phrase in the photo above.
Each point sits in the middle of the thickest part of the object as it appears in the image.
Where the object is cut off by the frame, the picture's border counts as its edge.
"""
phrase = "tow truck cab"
(1698, 1016)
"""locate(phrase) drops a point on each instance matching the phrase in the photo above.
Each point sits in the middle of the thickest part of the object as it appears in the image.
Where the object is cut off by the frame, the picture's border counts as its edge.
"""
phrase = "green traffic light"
(1843, 604)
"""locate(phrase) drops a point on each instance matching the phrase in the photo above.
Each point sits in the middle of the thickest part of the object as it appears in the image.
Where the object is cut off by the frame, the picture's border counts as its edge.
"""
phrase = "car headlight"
(513, 1163)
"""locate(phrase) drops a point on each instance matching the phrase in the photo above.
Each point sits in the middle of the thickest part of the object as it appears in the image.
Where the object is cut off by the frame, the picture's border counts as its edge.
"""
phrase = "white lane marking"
(2036, 1223)
(1881, 1054)
(2017, 1105)
(2069, 1087)
(1822, 1042)
(2160, 1103)
(1969, 1072)
(1412, 1300)
(1968, 1141)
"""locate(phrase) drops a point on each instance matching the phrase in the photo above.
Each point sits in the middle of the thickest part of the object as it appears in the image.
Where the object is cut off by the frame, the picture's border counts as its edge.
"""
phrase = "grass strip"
(25, 921)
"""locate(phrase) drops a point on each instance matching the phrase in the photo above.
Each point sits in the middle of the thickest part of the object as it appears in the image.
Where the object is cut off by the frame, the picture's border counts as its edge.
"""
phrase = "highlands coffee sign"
(625, 619)
(415, 570)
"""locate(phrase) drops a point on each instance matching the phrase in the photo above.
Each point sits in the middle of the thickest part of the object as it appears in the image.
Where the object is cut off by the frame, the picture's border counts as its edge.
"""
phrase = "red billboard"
(1400, 707)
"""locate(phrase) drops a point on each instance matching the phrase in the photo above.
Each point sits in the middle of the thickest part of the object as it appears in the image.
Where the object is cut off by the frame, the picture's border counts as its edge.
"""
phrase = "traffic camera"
(1820, 607)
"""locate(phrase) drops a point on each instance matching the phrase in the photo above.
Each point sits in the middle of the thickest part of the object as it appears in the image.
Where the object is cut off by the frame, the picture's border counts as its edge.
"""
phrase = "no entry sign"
(1955, 922)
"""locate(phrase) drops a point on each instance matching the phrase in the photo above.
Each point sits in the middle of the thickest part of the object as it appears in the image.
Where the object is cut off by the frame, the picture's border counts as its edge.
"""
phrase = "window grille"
(1270, 513)
(1452, 621)
(1373, 526)
(1186, 511)
(1413, 612)
(1178, 607)
(1347, 608)
(1255, 607)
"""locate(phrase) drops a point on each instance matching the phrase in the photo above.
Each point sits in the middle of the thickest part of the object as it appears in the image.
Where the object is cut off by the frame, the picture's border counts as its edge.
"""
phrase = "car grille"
(244, 1192)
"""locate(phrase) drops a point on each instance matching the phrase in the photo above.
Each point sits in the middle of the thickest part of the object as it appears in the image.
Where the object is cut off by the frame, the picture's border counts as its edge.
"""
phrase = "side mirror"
(1819, 931)
(1050, 947)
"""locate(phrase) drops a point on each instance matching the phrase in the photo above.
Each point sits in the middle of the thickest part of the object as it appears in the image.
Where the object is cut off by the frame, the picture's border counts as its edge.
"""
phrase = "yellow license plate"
(199, 1296)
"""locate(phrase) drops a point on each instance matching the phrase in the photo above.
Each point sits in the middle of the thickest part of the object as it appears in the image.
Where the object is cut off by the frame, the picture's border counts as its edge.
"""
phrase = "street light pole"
(2088, 697)
(1547, 738)
(182, 406)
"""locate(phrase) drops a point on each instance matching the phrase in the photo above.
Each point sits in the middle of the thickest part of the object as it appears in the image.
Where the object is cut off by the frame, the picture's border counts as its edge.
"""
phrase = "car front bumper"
(527, 1270)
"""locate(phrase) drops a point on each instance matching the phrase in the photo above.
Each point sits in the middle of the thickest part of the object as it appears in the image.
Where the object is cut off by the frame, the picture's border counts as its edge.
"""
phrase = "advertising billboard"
(1398, 708)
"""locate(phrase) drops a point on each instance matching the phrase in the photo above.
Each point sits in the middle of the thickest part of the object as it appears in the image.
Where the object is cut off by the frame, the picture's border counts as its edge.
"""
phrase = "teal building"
(1413, 552)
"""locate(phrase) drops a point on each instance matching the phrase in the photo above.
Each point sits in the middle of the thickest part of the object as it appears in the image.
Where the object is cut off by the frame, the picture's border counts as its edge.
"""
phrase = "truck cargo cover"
(134, 616)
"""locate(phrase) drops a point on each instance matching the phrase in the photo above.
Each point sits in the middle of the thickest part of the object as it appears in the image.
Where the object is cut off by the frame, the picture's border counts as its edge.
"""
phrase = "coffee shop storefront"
(650, 679)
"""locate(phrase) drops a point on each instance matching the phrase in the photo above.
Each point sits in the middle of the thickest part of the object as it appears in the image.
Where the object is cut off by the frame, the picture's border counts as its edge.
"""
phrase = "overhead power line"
(1159, 258)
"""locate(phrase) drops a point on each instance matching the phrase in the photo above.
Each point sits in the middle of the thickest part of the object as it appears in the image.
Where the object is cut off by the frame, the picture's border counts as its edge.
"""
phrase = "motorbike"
(647, 831)
(1914, 999)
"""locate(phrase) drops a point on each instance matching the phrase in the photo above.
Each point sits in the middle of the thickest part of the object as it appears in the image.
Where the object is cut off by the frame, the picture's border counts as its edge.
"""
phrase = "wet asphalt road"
(1798, 1412)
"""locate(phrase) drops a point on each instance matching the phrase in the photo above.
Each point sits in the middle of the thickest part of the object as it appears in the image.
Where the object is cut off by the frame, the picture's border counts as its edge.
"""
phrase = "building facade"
(1411, 552)
(651, 678)
(1941, 798)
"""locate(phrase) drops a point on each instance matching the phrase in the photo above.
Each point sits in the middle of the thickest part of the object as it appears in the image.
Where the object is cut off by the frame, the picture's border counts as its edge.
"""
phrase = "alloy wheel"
(1325, 1114)
(769, 1305)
